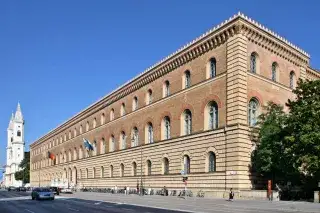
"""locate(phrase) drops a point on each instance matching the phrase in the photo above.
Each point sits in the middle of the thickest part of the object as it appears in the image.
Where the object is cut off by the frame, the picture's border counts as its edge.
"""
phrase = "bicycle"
(200, 193)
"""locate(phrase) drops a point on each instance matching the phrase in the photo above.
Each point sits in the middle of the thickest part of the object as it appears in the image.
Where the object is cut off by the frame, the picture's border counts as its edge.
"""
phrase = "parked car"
(66, 191)
(12, 188)
(56, 190)
(22, 189)
(42, 193)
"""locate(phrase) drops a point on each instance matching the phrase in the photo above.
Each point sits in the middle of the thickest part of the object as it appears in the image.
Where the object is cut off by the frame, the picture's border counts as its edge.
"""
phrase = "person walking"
(231, 195)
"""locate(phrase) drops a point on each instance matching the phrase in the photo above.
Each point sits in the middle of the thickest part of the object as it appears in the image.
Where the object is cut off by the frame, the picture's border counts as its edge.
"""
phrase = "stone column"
(238, 144)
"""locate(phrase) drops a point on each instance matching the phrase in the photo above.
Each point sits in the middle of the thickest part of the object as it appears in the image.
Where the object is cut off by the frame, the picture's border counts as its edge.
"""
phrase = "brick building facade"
(192, 111)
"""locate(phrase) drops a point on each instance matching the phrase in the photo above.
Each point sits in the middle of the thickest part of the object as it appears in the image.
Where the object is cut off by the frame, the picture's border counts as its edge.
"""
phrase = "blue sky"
(58, 57)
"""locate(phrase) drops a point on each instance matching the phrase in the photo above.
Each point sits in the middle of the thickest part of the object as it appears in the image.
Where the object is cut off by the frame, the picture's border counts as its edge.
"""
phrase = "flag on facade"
(87, 144)
(51, 156)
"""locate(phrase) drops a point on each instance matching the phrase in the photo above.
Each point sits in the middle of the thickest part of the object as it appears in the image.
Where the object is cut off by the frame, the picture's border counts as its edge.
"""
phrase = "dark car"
(22, 189)
(42, 193)
(55, 190)
(12, 188)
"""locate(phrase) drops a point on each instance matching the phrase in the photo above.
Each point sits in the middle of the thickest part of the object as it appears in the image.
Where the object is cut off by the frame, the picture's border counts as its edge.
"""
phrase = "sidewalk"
(194, 204)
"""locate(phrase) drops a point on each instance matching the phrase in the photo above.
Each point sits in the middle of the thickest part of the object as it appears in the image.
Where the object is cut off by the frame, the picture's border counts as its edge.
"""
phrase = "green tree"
(304, 124)
(270, 157)
(24, 173)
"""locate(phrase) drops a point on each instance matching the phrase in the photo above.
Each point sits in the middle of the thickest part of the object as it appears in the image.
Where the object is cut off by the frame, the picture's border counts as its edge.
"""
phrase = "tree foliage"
(289, 143)
(24, 173)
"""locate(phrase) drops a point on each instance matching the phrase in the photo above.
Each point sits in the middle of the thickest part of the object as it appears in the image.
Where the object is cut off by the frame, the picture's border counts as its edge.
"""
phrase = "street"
(20, 202)
(90, 202)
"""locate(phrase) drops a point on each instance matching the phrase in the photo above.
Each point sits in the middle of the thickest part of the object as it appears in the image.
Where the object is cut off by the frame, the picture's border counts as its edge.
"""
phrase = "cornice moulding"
(205, 42)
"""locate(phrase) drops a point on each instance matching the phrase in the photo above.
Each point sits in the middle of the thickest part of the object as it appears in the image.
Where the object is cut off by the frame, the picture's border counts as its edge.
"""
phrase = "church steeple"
(11, 121)
(18, 116)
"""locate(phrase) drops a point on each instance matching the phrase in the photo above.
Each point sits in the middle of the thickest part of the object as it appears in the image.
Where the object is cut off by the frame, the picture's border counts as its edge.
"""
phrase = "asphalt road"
(20, 202)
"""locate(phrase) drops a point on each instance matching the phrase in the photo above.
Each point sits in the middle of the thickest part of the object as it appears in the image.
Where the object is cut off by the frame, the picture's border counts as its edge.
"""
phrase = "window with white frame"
(274, 70)
(149, 133)
(187, 122)
(94, 123)
(123, 109)
(149, 97)
(111, 114)
(103, 146)
(213, 70)
(211, 162)
(123, 140)
(187, 79)
(112, 143)
(213, 115)
(135, 103)
(134, 137)
(166, 128)
(166, 89)
(292, 80)
(253, 112)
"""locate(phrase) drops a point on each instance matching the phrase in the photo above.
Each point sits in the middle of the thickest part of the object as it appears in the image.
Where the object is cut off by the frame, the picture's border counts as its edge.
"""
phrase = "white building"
(15, 148)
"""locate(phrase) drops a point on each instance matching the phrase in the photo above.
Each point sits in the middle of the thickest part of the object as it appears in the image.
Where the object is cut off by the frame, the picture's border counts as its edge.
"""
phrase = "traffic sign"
(182, 172)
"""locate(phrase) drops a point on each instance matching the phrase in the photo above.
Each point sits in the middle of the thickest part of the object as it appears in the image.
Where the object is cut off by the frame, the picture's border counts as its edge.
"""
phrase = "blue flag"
(87, 144)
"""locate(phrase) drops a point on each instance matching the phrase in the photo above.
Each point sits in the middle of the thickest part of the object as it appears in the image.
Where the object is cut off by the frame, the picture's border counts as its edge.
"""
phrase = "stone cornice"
(313, 72)
(207, 41)
(276, 45)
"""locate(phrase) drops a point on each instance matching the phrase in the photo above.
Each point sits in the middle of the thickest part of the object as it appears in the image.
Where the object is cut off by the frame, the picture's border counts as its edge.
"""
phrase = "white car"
(66, 191)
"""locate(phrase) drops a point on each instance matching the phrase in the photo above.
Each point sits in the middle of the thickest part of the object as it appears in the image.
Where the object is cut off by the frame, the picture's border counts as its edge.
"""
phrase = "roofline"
(239, 15)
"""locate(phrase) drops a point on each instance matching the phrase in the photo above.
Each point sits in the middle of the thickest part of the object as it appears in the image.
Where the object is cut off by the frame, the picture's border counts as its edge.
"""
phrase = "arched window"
(94, 123)
(87, 173)
(212, 68)
(292, 80)
(75, 154)
(166, 89)
(123, 140)
(274, 73)
(134, 169)
(134, 137)
(135, 103)
(149, 97)
(102, 119)
(121, 170)
(81, 130)
(69, 134)
(165, 162)
(94, 172)
(112, 143)
(87, 126)
(187, 122)
(102, 146)
(65, 136)
(19, 133)
(186, 164)
(74, 132)
(253, 62)
(123, 109)
(187, 79)
(211, 162)
(149, 133)
(166, 128)
(80, 152)
(253, 112)
(101, 171)
(111, 171)
(211, 115)
(111, 114)
(69, 155)
(149, 165)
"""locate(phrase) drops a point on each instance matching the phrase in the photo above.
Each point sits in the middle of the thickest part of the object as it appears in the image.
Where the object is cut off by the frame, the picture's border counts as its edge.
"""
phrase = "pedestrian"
(116, 189)
(164, 191)
(138, 188)
(231, 195)
(149, 190)
(125, 190)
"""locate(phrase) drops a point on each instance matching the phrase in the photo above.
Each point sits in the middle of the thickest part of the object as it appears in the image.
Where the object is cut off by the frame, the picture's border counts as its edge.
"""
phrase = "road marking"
(29, 211)
(15, 198)
(76, 210)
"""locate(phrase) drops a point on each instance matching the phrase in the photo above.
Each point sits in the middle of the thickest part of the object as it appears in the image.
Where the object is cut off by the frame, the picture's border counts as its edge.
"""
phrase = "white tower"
(15, 147)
